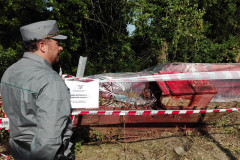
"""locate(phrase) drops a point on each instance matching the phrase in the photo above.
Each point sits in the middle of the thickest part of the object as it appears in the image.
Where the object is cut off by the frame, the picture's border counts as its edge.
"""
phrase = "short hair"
(31, 45)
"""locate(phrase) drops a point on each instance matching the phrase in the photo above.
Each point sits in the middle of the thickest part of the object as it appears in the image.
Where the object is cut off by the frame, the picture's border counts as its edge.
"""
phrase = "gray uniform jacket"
(37, 103)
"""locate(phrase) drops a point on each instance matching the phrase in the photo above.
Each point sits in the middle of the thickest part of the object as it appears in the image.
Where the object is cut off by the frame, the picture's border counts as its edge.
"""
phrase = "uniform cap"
(41, 30)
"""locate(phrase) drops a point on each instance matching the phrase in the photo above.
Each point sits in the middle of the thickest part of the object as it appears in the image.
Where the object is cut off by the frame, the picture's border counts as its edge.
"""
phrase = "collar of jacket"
(37, 58)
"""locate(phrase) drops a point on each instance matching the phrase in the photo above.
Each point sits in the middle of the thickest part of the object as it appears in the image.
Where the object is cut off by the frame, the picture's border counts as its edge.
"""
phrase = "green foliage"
(188, 29)
(78, 146)
(7, 57)
(13, 15)
(96, 30)
(166, 31)
(223, 17)
(16, 13)
(96, 136)
(69, 15)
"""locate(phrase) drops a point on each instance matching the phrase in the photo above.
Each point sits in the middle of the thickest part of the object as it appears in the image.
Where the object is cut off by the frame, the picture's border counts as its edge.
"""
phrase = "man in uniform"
(36, 99)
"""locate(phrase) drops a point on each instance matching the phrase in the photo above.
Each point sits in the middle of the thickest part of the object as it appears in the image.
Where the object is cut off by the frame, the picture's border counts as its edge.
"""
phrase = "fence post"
(81, 66)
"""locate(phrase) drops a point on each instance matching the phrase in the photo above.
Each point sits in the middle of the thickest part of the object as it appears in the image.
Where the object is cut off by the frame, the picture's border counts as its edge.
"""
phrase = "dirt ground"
(219, 140)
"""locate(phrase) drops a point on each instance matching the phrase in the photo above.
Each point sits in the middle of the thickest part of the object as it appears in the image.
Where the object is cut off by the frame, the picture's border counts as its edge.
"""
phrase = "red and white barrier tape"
(150, 112)
(4, 122)
(217, 75)
(180, 76)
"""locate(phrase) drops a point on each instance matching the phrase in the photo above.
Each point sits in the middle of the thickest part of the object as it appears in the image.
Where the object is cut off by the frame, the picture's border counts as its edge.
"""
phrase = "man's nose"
(60, 48)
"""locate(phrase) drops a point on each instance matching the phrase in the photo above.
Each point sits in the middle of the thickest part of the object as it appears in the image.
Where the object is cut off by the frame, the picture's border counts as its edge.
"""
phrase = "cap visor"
(59, 37)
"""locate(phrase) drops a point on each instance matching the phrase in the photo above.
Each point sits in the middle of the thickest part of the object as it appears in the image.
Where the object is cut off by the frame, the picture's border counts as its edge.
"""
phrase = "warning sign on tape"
(4, 123)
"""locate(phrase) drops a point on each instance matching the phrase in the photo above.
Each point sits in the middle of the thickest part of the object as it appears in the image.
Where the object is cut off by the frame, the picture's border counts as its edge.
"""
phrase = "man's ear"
(42, 46)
